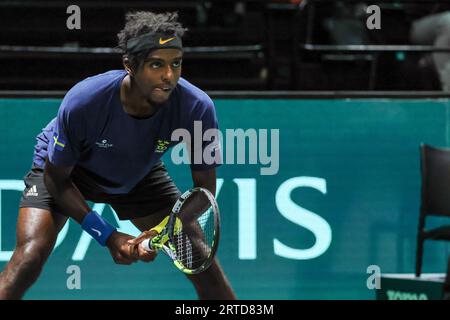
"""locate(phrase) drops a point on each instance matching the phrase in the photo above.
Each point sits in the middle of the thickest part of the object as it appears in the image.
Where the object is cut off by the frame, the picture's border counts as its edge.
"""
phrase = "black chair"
(435, 169)
(446, 288)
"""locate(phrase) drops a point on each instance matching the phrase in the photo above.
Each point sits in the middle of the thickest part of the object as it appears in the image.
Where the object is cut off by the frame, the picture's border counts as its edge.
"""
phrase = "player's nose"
(168, 74)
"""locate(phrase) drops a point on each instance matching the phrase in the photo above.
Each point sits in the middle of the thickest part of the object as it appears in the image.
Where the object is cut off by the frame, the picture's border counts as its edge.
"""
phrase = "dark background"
(231, 45)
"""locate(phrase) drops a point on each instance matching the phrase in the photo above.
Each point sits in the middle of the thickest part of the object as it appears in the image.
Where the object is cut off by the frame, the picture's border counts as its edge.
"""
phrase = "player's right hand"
(119, 248)
(140, 252)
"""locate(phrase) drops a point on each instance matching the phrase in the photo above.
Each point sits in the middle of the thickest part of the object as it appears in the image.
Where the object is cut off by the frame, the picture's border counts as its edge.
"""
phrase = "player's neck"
(133, 102)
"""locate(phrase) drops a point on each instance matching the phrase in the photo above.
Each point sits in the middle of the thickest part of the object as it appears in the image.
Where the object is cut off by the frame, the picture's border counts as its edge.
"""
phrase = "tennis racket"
(190, 234)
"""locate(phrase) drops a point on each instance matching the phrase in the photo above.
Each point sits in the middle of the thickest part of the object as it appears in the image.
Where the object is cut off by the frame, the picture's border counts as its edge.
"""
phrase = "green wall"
(348, 174)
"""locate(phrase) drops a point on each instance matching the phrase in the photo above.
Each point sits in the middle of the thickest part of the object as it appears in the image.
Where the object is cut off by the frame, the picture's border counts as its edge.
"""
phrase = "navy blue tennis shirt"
(93, 132)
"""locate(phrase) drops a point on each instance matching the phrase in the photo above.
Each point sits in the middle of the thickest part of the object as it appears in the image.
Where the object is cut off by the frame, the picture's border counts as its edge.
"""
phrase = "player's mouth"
(161, 93)
(164, 89)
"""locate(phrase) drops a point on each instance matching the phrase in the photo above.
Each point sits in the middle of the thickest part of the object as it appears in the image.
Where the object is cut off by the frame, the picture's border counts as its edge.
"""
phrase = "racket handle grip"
(146, 245)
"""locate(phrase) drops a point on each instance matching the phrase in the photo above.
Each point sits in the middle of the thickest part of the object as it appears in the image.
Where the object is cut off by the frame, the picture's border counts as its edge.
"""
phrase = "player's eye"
(155, 65)
(176, 64)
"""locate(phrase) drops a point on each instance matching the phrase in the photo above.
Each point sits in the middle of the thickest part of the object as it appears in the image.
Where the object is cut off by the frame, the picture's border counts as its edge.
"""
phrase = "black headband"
(152, 41)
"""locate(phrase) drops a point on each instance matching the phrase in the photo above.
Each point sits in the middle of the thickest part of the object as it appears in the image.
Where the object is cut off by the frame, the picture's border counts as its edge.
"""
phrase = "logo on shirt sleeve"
(58, 143)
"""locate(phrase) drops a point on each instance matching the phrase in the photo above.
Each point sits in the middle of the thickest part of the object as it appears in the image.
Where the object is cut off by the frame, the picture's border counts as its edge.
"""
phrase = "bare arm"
(198, 202)
(205, 179)
(59, 184)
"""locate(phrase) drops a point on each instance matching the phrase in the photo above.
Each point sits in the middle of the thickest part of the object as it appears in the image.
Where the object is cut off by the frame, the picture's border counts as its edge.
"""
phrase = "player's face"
(159, 74)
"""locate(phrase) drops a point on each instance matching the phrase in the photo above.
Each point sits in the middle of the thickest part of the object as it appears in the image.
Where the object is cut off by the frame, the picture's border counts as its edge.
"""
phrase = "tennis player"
(105, 146)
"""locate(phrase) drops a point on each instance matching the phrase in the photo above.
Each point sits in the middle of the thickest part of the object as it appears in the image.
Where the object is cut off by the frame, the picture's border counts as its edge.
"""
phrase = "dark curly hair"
(140, 22)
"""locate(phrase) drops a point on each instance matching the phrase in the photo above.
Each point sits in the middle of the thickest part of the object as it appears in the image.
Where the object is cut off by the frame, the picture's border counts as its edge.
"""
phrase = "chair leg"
(447, 282)
(419, 254)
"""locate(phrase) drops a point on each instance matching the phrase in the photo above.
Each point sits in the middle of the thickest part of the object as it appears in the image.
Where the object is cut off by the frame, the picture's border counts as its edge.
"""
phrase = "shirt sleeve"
(206, 145)
(68, 134)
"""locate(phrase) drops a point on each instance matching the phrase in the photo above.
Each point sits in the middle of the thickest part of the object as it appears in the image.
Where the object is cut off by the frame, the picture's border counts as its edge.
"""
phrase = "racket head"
(193, 231)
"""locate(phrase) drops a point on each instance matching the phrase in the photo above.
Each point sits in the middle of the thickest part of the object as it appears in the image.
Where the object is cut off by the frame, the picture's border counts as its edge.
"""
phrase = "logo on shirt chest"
(104, 144)
(161, 146)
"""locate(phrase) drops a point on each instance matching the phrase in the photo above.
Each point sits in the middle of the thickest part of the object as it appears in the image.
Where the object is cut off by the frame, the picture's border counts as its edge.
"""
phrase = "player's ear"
(127, 65)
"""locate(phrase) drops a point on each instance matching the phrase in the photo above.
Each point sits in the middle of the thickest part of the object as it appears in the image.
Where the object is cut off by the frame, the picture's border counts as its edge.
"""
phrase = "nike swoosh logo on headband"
(161, 41)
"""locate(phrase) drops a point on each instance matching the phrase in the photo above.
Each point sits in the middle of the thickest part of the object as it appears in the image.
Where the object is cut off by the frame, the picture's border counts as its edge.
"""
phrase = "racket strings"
(194, 242)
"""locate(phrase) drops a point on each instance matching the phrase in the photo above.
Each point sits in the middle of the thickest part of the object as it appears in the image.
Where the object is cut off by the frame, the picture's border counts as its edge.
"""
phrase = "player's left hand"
(136, 249)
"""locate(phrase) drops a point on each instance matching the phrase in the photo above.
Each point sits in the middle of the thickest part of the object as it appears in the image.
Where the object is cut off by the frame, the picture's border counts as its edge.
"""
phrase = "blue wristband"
(98, 228)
